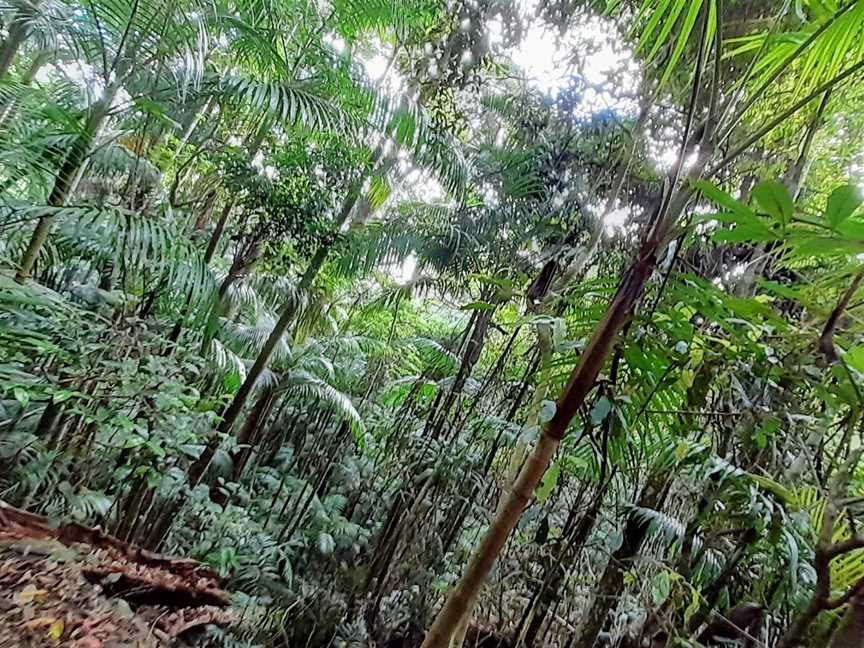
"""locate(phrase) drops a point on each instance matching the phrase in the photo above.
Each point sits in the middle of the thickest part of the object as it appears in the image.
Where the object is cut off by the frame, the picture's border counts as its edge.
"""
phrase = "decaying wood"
(125, 570)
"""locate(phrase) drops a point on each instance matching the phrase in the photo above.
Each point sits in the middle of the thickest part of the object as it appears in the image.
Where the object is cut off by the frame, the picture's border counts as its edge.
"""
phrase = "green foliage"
(389, 277)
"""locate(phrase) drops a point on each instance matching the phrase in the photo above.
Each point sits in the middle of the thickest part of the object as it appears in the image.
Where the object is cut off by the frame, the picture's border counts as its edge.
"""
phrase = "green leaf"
(723, 199)
(683, 36)
(824, 245)
(668, 24)
(661, 587)
(761, 439)
(547, 411)
(694, 605)
(780, 491)
(326, 544)
(752, 230)
(550, 480)
(657, 13)
(855, 358)
(774, 199)
(231, 382)
(21, 395)
(62, 395)
(852, 228)
(601, 411)
(842, 203)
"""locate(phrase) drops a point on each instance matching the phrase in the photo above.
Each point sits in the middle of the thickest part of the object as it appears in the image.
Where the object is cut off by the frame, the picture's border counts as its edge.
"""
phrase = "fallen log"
(123, 570)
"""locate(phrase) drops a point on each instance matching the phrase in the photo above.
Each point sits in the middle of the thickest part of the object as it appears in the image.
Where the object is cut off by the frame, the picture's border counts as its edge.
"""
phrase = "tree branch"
(826, 339)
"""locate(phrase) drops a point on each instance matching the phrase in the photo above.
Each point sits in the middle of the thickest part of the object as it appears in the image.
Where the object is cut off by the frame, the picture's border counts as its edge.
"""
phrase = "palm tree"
(132, 42)
(676, 196)
(20, 25)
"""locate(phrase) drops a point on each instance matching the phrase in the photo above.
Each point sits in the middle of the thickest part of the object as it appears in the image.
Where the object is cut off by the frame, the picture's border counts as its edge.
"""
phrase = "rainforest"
(431, 323)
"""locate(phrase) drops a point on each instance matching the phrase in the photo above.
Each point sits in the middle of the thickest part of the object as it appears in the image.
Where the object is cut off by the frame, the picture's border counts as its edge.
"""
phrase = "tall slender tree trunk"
(216, 236)
(206, 213)
(286, 316)
(572, 398)
(249, 436)
(473, 349)
(65, 179)
(581, 383)
(17, 33)
(797, 173)
(611, 583)
(219, 306)
(289, 310)
(555, 574)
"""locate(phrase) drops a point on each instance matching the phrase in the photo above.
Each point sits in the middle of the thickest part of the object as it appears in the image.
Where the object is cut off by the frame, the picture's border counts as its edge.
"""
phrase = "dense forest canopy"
(503, 323)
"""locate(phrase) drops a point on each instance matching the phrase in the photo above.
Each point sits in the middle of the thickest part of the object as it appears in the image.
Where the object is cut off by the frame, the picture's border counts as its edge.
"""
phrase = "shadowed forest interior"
(439, 323)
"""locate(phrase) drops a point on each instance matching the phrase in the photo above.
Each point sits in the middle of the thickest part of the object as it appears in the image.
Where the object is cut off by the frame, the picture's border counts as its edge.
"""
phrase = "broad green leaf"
(761, 438)
(852, 228)
(842, 203)
(855, 358)
(687, 377)
(550, 480)
(753, 231)
(774, 199)
(660, 587)
(21, 395)
(694, 605)
(780, 491)
(723, 199)
(601, 411)
(825, 245)
(231, 381)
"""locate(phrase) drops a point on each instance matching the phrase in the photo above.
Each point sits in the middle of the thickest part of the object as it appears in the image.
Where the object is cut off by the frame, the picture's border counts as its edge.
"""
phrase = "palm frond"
(663, 524)
(119, 238)
(147, 32)
(355, 17)
(267, 291)
(249, 339)
(226, 360)
(434, 355)
(299, 105)
(833, 41)
(308, 386)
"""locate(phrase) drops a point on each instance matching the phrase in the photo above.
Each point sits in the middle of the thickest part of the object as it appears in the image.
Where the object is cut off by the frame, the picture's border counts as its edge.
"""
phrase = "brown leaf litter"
(77, 587)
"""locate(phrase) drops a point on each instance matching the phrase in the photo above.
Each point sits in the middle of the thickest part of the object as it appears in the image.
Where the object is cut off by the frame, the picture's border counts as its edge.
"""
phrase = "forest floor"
(71, 586)
(78, 588)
